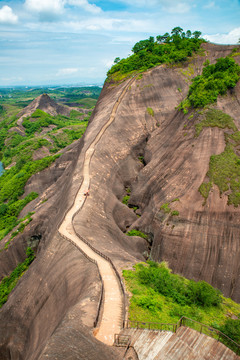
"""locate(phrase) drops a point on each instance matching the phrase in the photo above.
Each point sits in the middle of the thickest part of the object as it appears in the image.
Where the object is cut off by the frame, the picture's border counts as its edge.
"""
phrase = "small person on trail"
(86, 193)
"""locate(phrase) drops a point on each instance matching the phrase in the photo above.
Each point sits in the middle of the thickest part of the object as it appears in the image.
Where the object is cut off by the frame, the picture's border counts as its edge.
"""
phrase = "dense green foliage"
(215, 80)
(160, 296)
(20, 147)
(167, 49)
(9, 282)
(231, 328)
(161, 280)
(85, 96)
(12, 184)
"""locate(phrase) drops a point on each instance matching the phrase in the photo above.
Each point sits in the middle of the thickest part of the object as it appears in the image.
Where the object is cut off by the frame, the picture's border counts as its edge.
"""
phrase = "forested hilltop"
(165, 49)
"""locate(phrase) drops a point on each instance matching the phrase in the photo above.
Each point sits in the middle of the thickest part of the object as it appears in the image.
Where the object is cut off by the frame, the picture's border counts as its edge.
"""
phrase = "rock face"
(51, 311)
(42, 102)
(46, 104)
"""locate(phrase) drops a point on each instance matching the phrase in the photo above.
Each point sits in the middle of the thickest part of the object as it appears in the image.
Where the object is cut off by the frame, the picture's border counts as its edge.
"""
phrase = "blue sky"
(75, 41)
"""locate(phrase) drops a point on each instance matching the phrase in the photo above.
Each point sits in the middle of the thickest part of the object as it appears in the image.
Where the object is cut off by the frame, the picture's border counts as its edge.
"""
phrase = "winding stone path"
(111, 320)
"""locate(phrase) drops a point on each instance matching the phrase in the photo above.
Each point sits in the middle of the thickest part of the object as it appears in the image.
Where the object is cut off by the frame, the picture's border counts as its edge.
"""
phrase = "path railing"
(149, 325)
(184, 321)
(209, 331)
(94, 249)
(122, 340)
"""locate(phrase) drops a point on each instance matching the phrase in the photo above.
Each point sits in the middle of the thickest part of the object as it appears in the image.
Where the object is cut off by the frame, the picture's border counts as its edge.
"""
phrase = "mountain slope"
(151, 149)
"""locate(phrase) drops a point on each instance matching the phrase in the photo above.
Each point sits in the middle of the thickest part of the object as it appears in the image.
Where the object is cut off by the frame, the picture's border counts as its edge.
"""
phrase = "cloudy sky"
(75, 41)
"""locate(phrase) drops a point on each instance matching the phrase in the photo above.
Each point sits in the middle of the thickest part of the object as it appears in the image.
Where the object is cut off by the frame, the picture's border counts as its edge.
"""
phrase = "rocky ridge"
(151, 155)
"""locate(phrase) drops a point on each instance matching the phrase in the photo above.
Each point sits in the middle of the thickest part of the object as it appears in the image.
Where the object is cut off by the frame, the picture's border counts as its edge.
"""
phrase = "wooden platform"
(186, 344)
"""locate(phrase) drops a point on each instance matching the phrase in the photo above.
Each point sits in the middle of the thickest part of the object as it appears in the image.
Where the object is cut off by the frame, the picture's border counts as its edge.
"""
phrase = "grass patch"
(150, 111)
(134, 232)
(215, 118)
(158, 295)
(9, 282)
(165, 207)
(204, 189)
(224, 171)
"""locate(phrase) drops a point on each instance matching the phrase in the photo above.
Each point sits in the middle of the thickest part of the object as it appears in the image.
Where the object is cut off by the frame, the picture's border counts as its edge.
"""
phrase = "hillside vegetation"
(21, 96)
(28, 152)
(166, 49)
(158, 295)
(215, 80)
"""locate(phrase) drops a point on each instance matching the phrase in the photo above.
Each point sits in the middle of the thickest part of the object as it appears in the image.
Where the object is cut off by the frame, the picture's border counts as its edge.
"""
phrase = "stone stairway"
(186, 344)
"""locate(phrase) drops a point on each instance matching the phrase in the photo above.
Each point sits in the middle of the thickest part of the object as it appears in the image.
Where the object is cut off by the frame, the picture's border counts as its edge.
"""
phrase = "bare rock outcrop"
(45, 103)
(159, 158)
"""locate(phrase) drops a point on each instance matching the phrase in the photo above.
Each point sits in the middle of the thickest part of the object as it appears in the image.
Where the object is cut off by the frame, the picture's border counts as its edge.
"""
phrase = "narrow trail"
(112, 308)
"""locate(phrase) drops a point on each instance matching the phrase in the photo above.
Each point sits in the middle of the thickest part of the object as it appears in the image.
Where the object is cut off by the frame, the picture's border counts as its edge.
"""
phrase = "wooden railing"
(209, 331)
(184, 321)
(96, 250)
(149, 325)
(122, 340)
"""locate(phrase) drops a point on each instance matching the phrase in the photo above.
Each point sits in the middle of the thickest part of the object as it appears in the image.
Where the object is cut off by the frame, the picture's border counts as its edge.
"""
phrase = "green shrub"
(175, 213)
(150, 111)
(125, 199)
(203, 294)
(148, 302)
(215, 80)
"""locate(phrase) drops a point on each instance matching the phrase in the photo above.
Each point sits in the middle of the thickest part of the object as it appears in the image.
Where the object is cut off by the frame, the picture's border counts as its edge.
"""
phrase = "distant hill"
(46, 104)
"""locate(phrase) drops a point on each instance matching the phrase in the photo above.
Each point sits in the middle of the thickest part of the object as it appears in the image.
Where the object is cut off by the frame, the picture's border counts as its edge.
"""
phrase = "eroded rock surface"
(159, 159)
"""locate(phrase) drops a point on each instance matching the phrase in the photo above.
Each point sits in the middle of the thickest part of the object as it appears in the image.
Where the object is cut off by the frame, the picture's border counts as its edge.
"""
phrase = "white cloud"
(100, 23)
(172, 6)
(178, 8)
(45, 6)
(7, 16)
(210, 5)
(92, 8)
(67, 71)
(12, 79)
(53, 8)
(107, 63)
(231, 38)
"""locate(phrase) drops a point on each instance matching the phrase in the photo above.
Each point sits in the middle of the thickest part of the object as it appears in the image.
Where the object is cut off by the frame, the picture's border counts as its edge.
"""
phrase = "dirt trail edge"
(111, 320)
